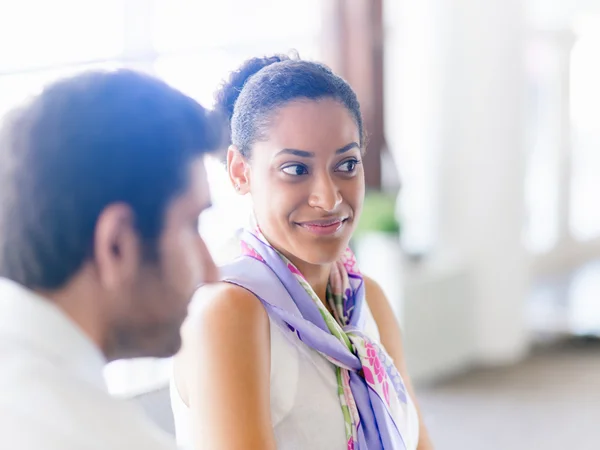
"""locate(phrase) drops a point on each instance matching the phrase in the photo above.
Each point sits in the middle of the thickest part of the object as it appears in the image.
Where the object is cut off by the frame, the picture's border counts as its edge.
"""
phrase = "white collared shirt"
(52, 391)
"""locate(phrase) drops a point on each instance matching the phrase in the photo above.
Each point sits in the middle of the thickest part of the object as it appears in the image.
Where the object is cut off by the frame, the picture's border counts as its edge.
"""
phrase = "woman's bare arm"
(223, 370)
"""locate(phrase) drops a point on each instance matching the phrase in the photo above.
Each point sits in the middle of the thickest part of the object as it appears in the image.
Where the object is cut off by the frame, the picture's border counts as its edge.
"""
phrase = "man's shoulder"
(44, 406)
(21, 433)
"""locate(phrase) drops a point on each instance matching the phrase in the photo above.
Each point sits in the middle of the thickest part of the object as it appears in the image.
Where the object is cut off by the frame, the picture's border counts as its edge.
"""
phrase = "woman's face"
(306, 180)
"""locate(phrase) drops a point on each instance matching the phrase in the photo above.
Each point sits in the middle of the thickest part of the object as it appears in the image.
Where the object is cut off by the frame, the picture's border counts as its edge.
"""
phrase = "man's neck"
(79, 303)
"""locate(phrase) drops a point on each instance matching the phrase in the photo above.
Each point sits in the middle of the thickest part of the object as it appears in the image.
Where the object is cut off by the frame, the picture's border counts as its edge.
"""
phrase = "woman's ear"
(237, 167)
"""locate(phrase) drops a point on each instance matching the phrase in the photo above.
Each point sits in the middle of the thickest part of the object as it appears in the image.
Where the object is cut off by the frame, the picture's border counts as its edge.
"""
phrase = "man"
(101, 185)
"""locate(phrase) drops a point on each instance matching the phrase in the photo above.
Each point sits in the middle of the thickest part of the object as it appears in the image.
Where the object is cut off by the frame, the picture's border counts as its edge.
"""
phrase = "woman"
(288, 351)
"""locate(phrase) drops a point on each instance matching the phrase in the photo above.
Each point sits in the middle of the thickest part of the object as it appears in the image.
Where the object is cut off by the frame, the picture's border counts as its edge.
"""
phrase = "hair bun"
(229, 92)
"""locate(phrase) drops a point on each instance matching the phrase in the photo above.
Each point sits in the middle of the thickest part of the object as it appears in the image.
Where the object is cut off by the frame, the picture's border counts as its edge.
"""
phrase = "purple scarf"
(373, 397)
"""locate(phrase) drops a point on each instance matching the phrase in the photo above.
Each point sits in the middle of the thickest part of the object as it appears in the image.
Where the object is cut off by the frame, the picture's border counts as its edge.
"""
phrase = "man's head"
(101, 184)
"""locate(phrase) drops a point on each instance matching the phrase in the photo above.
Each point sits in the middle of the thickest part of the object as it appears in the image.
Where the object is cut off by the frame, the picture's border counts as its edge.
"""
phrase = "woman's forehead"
(312, 126)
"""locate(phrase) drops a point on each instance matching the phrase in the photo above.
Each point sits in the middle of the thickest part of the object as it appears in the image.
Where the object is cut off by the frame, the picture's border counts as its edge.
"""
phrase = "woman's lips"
(324, 227)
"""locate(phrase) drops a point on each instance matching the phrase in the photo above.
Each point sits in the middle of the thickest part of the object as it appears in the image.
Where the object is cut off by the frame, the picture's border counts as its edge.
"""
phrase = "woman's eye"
(348, 166)
(295, 169)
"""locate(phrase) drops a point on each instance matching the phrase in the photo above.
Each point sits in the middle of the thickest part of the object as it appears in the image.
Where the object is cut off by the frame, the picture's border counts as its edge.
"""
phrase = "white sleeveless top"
(305, 407)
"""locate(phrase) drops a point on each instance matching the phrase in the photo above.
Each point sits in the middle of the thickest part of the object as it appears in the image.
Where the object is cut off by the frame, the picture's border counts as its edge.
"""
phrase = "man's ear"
(117, 246)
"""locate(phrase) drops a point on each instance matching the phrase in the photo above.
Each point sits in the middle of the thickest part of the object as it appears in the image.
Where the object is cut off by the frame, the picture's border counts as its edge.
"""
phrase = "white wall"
(559, 14)
(455, 101)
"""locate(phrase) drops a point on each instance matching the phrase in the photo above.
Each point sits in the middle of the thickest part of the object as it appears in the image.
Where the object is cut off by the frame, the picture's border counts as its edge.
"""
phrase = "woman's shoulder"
(225, 306)
(373, 290)
(376, 299)
(225, 316)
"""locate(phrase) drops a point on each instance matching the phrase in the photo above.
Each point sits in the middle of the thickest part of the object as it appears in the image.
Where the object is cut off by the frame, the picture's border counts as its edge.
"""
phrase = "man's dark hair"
(84, 143)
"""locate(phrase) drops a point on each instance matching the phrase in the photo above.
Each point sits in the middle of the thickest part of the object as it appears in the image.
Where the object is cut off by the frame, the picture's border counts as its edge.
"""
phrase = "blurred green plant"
(378, 215)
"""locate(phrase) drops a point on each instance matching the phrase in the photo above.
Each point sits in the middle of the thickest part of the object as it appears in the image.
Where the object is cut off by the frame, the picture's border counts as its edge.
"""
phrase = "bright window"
(191, 44)
(36, 34)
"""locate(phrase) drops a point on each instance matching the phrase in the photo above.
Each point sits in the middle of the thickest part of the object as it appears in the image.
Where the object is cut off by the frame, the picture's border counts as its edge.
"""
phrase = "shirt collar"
(44, 327)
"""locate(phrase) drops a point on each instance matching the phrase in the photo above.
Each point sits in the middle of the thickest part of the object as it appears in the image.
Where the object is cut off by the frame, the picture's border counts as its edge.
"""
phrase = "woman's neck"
(316, 275)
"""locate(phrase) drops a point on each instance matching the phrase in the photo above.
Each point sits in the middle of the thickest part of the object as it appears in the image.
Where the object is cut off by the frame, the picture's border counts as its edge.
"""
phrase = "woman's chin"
(321, 254)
